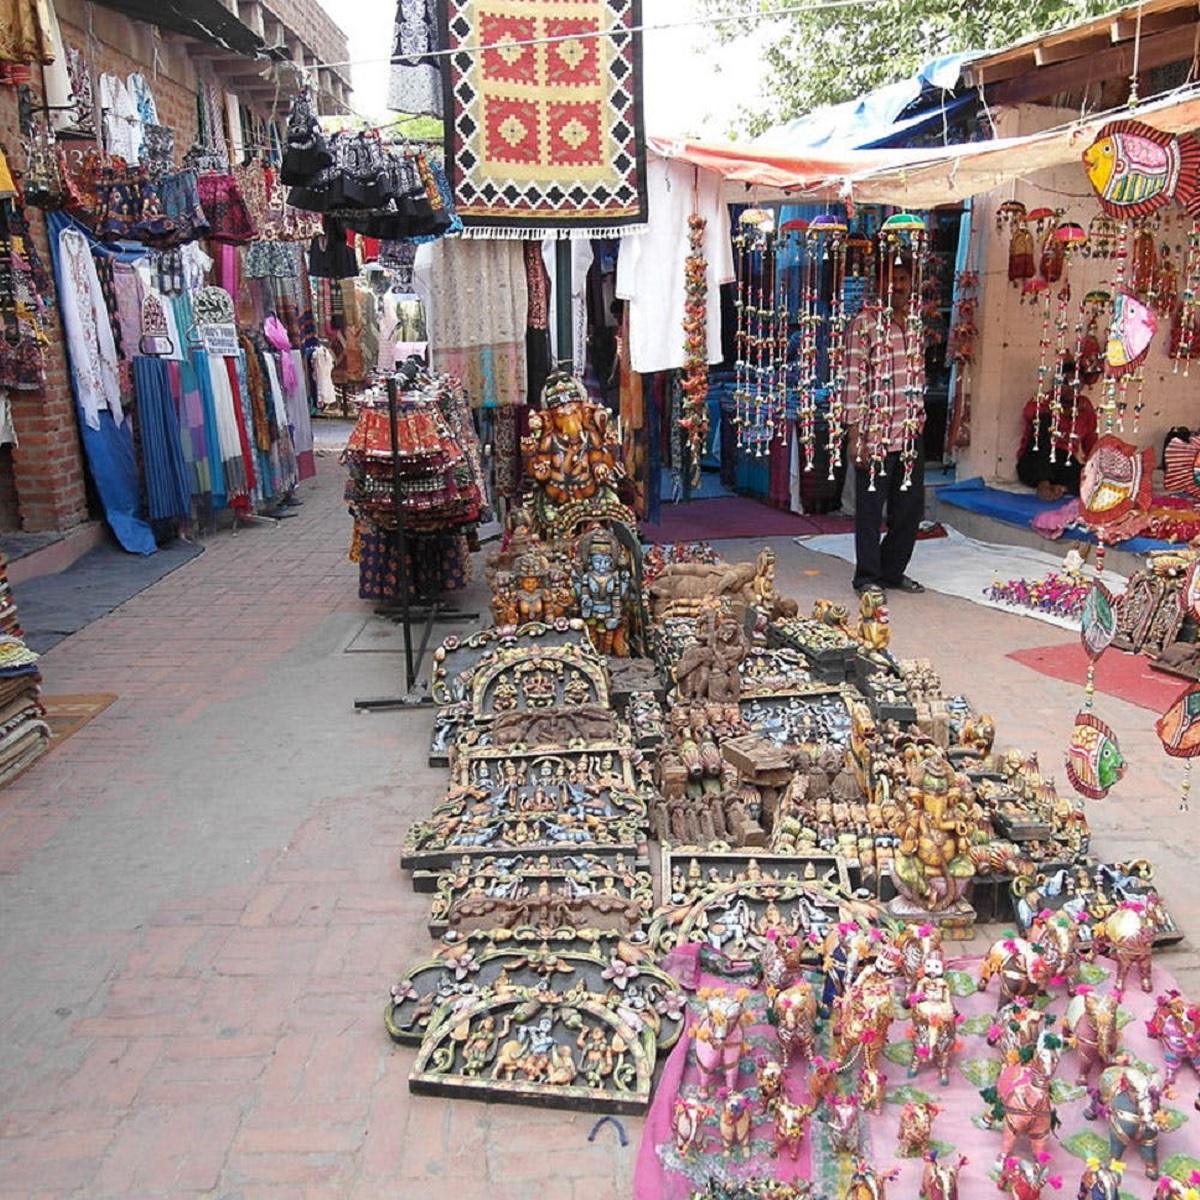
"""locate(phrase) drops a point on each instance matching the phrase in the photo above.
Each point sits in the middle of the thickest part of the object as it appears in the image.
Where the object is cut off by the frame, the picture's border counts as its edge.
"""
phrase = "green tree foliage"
(826, 55)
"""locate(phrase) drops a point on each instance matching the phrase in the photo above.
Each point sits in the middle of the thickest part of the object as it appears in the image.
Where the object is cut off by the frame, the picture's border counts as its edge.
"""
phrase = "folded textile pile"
(24, 733)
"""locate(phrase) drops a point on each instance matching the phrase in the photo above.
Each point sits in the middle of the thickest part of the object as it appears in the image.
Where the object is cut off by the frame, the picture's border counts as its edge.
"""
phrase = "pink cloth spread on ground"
(662, 1174)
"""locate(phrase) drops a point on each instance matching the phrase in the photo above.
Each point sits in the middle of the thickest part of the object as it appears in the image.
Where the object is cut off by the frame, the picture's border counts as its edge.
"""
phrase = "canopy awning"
(921, 178)
(207, 21)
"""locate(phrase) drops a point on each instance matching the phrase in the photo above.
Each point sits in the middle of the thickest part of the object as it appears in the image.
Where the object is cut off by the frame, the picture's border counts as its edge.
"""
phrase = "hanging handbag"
(156, 333)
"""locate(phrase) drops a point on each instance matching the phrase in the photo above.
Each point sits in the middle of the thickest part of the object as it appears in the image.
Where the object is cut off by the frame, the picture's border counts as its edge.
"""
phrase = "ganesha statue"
(572, 456)
(933, 863)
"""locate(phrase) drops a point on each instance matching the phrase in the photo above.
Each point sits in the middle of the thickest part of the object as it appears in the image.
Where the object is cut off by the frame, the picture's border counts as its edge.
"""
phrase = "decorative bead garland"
(694, 421)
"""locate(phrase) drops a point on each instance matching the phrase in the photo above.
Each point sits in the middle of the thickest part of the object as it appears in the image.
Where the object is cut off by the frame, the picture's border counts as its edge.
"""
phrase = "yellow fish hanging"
(1136, 169)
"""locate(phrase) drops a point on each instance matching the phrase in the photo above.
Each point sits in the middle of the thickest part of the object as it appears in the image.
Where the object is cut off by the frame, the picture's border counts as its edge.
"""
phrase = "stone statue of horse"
(1175, 1025)
(1090, 1024)
(1126, 936)
(1130, 1098)
(1023, 1099)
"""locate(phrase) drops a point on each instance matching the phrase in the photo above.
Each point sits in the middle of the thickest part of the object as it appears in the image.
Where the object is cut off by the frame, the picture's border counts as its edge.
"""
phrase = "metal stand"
(408, 613)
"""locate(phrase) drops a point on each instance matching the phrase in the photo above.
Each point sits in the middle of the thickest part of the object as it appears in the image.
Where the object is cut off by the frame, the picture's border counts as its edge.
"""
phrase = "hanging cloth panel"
(168, 494)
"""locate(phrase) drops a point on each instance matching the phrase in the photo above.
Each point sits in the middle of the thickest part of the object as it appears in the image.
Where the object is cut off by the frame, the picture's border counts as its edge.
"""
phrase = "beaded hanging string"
(1068, 237)
(694, 421)
(808, 321)
(836, 349)
(778, 422)
(901, 232)
(741, 338)
(1087, 326)
(1187, 343)
(758, 343)
(1112, 398)
(960, 350)
(1041, 397)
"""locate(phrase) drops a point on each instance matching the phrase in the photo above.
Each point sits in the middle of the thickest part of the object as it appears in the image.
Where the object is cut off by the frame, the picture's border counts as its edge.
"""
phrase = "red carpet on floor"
(1126, 676)
(734, 517)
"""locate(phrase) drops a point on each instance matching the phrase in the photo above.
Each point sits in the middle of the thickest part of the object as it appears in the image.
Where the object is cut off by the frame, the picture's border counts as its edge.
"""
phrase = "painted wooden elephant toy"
(1174, 1189)
(782, 961)
(1090, 1025)
(1023, 968)
(1175, 1025)
(1126, 936)
(1099, 1183)
(791, 1121)
(1018, 1026)
(736, 1120)
(866, 1183)
(1021, 1099)
(719, 1037)
(939, 1179)
(1130, 1099)
(916, 1128)
(687, 1122)
(1058, 936)
(842, 1122)
(1024, 1179)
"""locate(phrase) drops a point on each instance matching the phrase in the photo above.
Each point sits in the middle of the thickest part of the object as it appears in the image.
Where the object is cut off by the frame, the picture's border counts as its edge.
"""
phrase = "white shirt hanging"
(650, 265)
(88, 330)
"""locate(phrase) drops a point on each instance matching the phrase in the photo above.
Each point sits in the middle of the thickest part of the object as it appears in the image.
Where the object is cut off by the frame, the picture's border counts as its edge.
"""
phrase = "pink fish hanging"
(1130, 333)
(1094, 760)
(1136, 169)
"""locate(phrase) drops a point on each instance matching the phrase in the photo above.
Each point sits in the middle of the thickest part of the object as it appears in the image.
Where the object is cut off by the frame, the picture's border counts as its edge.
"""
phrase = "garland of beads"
(694, 418)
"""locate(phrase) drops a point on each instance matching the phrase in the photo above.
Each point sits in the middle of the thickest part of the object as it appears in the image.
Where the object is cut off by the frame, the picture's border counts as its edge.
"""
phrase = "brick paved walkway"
(201, 909)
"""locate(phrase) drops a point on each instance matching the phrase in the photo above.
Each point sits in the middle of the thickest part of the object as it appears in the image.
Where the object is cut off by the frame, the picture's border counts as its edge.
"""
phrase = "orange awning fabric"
(920, 179)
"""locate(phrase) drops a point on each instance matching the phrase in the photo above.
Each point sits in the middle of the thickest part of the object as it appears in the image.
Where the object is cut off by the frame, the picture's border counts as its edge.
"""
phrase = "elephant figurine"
(687, 1122)
(1130, 1098)
(845, 1135)
(736, 1121)
(794, 1014)
(791, 1120)
(1019, 1025)
(1099, 1183)
(1058, 936)
(1175, 1025)
(1023, 968)
(916, 1128)
(1126, 936)
(719, 1037)
(781, 961)
(1022, 1100)
(770, 1082)
(1023, 1179)
(939, 1179)
(1090, 1025)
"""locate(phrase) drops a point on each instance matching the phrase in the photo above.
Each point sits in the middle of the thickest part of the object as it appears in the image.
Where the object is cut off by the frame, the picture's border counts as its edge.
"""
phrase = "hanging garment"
(415, 83)
(8, 431)
(122, 130)
(323, 361)
(25, 33)
(88, 331)
(168, 494)
(650, 265)
(296, 402)
(479, 312)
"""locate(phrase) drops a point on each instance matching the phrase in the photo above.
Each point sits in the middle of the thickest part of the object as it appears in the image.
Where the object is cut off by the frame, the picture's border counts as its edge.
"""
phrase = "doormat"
(735, 517)
(68, 714)
(1124, 676)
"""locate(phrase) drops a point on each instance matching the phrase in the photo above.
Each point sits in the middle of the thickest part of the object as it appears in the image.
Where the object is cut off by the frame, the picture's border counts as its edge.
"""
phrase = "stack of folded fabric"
(24, 734)
(9, 624)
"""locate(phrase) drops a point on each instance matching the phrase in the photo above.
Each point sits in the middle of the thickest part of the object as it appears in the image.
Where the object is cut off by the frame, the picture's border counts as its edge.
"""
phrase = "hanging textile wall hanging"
(545, 136)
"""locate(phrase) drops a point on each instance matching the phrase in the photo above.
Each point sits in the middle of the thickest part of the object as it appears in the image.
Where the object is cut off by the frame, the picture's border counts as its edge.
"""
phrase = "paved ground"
(202, 910)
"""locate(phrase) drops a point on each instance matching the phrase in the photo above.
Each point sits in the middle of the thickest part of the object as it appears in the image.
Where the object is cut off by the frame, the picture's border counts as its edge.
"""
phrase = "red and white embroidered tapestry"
(544, 124)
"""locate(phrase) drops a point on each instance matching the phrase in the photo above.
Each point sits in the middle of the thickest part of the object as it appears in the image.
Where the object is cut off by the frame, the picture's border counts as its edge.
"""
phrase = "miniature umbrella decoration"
(1094, 761)
(1070, 234)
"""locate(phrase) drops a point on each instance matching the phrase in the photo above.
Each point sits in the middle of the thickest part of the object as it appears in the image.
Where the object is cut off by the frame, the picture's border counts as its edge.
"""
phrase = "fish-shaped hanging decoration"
(1136, 169)
(1130, 333)
(1179, 727)
(1115, 479)
(1098, 622)
(1094, 760)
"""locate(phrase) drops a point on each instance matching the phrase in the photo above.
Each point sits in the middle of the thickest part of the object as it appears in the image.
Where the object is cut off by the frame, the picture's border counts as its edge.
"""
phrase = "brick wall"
(42, 485)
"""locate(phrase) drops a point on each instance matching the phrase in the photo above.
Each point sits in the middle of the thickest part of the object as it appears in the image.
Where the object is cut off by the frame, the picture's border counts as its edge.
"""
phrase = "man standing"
(885, 417)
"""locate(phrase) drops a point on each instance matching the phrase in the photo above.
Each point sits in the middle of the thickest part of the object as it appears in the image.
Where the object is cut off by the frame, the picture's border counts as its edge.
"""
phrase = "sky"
(690, 87)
